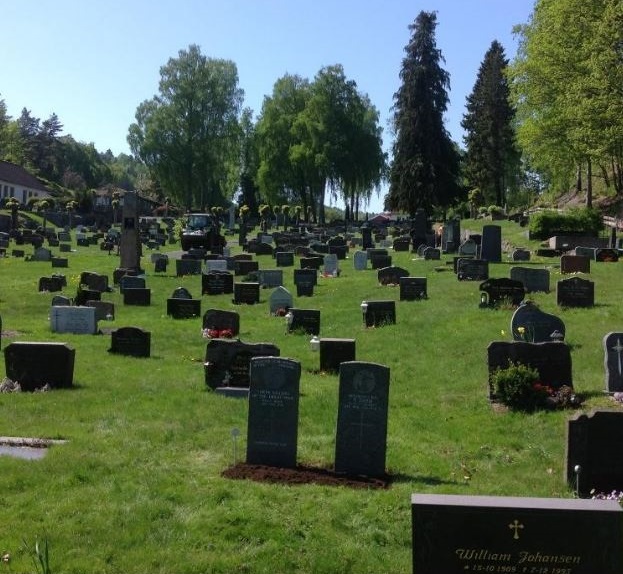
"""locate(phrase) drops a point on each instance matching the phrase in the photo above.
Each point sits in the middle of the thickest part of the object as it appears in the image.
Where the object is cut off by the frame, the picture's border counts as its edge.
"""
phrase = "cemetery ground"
(138, 487)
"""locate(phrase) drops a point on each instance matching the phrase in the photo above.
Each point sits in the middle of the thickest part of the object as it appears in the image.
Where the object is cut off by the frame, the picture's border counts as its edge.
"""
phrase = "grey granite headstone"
(279, 299)
(613, 361)
(575, 292)
(360, 260)
(582, 251)
(130, 341)
(330, 263)
(41, 254)
(361, 436)
(532, 278)
(532, 325)
(468, 248)
(454, 534)
(76, 320)
(272, 429)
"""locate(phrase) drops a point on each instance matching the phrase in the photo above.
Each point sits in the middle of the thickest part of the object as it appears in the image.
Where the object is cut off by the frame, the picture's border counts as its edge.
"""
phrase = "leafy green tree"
(188, 135)
(492, 160)
(425, 169)
(249, 162)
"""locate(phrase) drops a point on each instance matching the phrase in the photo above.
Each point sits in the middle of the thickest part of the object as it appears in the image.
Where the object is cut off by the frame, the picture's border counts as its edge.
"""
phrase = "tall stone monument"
(130, 242)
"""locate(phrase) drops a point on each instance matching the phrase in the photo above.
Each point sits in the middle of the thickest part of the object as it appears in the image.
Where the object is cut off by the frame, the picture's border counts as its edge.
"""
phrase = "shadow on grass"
(422, 479)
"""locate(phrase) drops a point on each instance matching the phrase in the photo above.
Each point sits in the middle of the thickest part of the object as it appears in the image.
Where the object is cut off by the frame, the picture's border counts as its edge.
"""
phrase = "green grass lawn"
(138, 487)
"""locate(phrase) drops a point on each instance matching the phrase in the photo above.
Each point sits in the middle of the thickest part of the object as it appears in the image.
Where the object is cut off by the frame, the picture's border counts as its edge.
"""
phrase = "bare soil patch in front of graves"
(302, 475)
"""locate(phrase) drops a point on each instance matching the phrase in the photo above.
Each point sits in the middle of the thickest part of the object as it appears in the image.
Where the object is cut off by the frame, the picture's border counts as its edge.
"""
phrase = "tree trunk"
(578, 180)
(589, 184)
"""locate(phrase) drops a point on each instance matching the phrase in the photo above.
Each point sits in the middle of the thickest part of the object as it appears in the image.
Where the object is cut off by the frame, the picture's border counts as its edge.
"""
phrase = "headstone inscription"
(280, 301)
(272, 429)
(35, 364)
(246, 293)
(503, 291)
(472, 269)
(533, 279)
(217, 283)
(391, 275)
(379, 313)
(575, 292)
(491, 245)
(552, 360)
(76, 320)
(532, 325)
(413, 288)
(590, 441)
(221, 321)
(575, 264)
(334, 352)
(361, 436)
(454, 534)
(227, 362)
(305, 320)
(130, 341)
(613, 361)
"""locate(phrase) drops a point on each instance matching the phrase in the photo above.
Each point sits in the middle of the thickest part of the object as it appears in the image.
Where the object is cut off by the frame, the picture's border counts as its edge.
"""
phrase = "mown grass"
(138, 486)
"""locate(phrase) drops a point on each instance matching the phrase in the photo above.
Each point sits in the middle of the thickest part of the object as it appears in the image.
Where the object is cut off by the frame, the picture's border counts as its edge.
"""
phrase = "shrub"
(584, 221)
(517, 387)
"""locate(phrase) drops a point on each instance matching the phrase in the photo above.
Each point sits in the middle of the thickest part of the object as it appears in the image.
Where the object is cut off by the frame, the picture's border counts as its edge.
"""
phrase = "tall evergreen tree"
(425, 167)
(492, 160)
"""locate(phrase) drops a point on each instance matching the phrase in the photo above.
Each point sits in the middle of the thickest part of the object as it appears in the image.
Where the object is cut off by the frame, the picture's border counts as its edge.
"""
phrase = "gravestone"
(606, 255)
(272, 428)
(76, 320)
(331, 266)
(41, 254)
(413, 288)
(454, 534)
(520, 255)
(378, 261)
(360, 260)
(401, 244)
(305, 320)
(243, 267)
(575, 264)
(379, 313)
(575, 292)
(590, 442)
(469, 248)
(60, 301)
(391, 275)
(130, 341)
(60, 262)
(269, 278)
(304, 289)
(533, 279)
(131, 282)
(217, 283)
(83, 295)
(361, 436)
(181, 293)
(183, 308)
(451, 235)
(334, 352)
(130, 240)
(472, 269)
(552, 360)
(366, 238)
(340, 251)
(613, 361)
(491, 243)
(280, 301)
(219, 320)
(305, 277)
(532, 325)
(227, 362)
(187, 267)
(160, 265)
(50, 284)
(431, 253)
(246, 293)
(137, 296)
(96, 282)
(17, 253)
(312, 262)
(216, 265)
(503, 291)
(64, 247)
(35, 364)
(284, 258)
(104, 310)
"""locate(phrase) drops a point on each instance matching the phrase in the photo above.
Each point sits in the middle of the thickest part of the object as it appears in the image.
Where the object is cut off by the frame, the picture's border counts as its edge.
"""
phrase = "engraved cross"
(516, 526)
(618, 348)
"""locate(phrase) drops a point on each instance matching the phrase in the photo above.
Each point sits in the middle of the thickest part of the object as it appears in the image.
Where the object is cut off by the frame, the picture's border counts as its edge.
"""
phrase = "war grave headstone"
(361, 436)
(137, 296)
(60, 300)
(582, 251)
(181, 305)
(360, 260)
(217, 283)
(41, 254)
(491, 246)
(304, 320)
(104, 310)
(391, 275)
(227, 362)
(35, 364)
(130, 341)
(431, 254)
(378, 261)
(533, 279)
(131, 282)
(215, 265)
(187, 267)
(530, 324)
(502, 291)
(272, 429)
(552, 360)
(60, 262)
(472, 269)
(590, 442)
(279, 301)
(284, 258)
(50, 284)
(606, 255)
(469, 248)
(378, 313)
(219, 323)
(413, 288)
(575, 264)
(334, 352)
(270, 278)
(76, 320)
(246, 293)
(613, 361)
(454, 534)
(575, 292)
(520, 255)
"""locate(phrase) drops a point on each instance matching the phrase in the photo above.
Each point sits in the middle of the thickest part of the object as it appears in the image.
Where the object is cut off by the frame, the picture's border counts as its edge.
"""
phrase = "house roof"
(17, 175)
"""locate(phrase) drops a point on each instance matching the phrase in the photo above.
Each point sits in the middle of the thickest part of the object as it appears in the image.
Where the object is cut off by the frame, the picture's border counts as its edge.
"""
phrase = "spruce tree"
(425, 167)
(491, 162)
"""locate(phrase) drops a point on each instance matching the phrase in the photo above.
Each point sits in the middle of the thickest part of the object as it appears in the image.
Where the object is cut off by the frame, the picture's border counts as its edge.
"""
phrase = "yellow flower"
(521, 330)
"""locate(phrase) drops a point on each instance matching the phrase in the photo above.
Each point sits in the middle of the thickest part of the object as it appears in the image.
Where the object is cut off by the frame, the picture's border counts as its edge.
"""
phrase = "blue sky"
(93, 62)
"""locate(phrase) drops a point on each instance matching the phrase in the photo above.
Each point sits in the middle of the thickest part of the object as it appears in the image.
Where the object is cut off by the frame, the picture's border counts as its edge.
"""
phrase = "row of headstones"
(361, 434)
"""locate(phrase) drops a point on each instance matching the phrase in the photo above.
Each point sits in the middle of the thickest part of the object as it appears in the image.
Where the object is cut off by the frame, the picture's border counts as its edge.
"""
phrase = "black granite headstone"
(575, 292)
(35, 364)
(503, 291)
(137, 296)
(491, 243)
(380, 313)
(217, 283)
(305, 320)
(391, 275)
(130, 341)
(334, 352)
(219, 320)
(180, 308)
(247, 293)
(472, 269)
(413, 288)
(532, 325)
(613, 361)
